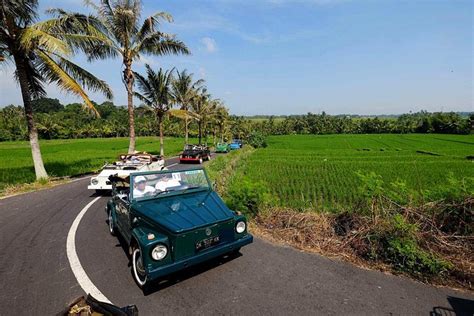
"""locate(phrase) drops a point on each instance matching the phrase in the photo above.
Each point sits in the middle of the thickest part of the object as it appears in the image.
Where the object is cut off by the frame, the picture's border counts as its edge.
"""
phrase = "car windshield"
(152, 185)
(191, 147)
(134, 159)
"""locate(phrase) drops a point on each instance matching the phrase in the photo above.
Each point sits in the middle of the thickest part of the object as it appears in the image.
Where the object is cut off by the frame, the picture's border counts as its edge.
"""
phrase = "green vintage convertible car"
(171, 220)
(222, 148)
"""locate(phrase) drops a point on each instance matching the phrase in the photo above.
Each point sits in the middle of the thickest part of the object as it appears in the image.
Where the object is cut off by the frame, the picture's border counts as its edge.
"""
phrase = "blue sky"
(298, 56)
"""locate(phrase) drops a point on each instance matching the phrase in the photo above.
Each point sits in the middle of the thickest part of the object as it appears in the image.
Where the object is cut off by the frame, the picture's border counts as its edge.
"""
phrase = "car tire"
(111, 223)
(138, 270)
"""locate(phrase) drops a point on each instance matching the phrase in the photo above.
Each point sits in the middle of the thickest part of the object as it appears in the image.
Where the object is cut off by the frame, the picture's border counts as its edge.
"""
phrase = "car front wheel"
(138, 269)
(111, 223)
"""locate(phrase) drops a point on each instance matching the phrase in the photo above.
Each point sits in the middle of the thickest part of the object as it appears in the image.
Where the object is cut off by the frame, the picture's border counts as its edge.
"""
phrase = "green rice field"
(319, 171)
(71, 156)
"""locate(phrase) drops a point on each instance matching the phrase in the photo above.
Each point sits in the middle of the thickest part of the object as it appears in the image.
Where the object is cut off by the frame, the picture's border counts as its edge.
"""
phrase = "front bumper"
(188, 159)
(199, 258)
(99, 187)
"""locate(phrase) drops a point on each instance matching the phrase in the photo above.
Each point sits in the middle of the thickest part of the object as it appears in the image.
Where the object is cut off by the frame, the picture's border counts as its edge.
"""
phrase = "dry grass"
(345, 236)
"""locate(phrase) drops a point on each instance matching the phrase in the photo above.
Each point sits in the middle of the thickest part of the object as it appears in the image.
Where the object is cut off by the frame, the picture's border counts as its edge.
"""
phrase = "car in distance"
(171, 220)
(126, 164)
(195, 153)
(236, 144)
(222, 148)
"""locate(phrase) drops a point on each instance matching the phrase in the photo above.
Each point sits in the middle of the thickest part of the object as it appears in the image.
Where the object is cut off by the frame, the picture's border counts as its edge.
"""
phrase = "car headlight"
(240, 227)
(94, 181)
(159, 252)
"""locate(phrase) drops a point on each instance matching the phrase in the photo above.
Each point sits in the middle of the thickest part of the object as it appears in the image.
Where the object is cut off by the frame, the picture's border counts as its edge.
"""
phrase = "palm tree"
(40, 54)
(129, 39)
(220, 119)
(155, 92)
(199, 106)
(183, 89)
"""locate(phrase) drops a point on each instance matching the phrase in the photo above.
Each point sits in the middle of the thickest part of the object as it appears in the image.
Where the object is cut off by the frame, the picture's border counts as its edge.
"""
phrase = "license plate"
(206, 243)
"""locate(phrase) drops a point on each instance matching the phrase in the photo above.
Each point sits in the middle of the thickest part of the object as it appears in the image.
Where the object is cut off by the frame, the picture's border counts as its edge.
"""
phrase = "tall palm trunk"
(40, 171)
(200, 131)
(186, 129)
(159, 118)
(128, 79)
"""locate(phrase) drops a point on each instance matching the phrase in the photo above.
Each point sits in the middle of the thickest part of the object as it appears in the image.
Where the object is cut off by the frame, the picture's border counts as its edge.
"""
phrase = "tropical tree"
(220, 117)
(130, 38)
(184, 89)
(40, 53)
(155, 92)
(200, 106)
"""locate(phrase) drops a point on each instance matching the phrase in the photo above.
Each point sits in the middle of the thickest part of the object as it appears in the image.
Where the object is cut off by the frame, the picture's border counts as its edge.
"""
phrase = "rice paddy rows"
(319, 172)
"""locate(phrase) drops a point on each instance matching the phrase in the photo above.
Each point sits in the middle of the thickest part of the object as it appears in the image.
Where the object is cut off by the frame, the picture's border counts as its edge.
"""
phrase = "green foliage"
(399, 247)
(400, 193)
(257, 140)
(421, 122)
(452, 189)
(371, 185)
(46, 105)
(247, 196)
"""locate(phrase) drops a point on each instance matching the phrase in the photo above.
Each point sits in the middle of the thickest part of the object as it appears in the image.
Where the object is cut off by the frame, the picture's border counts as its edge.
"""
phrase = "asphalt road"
(36, 279)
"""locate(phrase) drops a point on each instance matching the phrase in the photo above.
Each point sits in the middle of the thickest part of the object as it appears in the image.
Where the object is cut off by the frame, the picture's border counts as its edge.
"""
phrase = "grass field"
(319, 172)
(72, 156)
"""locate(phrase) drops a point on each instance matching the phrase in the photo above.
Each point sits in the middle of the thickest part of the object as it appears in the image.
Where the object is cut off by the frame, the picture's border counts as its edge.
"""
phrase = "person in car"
(141, 188)
(167, 181)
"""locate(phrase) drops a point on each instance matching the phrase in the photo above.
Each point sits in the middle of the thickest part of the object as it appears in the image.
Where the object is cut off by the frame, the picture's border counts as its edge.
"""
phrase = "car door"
(123, 215)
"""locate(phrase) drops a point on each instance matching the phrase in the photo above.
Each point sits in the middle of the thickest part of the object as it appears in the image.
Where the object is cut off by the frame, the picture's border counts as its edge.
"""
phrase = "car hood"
(186, 211)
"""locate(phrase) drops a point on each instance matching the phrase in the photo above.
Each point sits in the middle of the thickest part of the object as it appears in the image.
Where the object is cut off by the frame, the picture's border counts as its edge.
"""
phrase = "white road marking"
(172, 165)
(76, 267)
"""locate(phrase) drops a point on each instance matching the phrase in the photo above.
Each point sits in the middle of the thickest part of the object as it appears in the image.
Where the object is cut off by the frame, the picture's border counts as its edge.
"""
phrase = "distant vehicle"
(171, 220)
(127, 163)
(222, 148)
(236, 144)
(195, 153)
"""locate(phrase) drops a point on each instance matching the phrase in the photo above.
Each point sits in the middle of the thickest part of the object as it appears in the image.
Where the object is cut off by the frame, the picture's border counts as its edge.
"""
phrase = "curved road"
(36, 279)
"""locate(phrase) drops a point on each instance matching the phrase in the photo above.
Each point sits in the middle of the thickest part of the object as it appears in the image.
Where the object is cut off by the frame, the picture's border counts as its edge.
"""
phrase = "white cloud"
(202, 72)
(209, 44)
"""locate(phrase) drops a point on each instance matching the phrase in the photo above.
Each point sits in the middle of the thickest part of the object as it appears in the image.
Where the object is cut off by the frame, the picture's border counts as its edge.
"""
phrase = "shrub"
(398, 245)
(453, 190)
(246, 196)
(257, 140)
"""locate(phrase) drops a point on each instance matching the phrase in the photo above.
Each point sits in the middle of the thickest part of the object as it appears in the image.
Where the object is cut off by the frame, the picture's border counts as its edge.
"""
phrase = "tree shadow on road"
(459, 307)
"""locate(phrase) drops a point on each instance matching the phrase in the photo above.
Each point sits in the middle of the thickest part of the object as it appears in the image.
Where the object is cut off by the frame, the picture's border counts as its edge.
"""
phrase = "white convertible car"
(127, 163)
